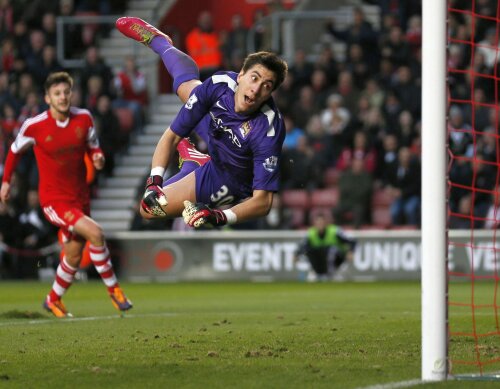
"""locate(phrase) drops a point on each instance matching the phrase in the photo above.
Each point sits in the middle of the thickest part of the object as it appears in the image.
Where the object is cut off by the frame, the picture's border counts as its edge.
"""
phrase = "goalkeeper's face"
(254, 88)
(58, 97)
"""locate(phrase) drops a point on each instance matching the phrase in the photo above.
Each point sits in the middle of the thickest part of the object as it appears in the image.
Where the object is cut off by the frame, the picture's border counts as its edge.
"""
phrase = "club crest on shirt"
(191, 101)
(49, 138)
(245, 129)
(79, 132)
(69, 216)
(270, 164)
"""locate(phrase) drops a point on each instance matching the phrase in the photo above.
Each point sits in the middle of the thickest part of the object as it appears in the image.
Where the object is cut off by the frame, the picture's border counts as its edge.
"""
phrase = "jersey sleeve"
(194, 110)
(267, 154)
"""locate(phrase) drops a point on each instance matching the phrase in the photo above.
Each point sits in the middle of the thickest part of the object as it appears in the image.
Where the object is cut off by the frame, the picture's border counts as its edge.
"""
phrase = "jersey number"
(221, 197)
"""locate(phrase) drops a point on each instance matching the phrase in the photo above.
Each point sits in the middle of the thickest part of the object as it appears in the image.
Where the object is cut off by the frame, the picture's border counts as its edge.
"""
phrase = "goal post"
(434, 233)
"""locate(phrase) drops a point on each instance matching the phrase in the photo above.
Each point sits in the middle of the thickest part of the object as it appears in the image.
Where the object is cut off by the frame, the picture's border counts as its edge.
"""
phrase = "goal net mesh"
(473, 187)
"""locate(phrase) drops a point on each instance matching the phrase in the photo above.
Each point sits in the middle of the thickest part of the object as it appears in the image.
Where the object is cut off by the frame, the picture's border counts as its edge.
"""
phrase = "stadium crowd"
(353, 121)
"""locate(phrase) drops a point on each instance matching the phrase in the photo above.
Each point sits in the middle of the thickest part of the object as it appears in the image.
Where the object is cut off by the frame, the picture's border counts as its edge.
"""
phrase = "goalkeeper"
(327, 248)
(236, 116)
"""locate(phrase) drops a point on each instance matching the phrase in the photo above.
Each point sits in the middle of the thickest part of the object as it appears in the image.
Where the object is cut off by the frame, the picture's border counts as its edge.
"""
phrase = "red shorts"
(65, 215)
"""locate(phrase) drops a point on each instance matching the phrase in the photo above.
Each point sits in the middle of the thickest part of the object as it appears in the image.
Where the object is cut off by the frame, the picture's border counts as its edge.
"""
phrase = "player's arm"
(94, 151)
(154, 199)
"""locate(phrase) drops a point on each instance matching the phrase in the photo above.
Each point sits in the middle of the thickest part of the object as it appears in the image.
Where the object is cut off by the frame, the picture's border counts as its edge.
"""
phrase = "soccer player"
(60, 137)
(237, 117)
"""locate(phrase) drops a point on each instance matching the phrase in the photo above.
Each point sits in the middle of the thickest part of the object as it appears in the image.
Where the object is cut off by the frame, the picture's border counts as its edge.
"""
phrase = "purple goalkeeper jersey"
(245, 149)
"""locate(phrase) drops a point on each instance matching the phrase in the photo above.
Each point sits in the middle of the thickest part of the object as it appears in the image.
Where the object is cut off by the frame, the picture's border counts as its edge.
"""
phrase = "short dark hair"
(269, 60)
(57, 78)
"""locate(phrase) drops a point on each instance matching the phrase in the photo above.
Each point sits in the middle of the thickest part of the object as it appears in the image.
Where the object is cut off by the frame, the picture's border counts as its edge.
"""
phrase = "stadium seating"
(297, 201)
(331, 177)
(328, 197)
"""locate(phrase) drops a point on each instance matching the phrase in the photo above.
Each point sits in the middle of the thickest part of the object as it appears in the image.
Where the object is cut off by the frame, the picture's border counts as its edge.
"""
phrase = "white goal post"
(434, 233)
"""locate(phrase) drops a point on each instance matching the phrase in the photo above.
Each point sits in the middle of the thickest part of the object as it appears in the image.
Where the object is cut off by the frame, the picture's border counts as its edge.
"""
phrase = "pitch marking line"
(396, 385)
(88, 318)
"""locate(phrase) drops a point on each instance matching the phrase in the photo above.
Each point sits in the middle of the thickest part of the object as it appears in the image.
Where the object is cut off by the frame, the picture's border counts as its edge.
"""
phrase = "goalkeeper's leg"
(181, 66)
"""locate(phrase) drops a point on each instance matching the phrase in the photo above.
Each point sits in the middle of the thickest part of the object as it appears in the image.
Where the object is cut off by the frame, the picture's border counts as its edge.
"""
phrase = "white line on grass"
(88, 318)
(396, 385)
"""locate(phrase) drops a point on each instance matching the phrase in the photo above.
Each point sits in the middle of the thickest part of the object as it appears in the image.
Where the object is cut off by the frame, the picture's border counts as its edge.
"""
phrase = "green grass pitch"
(215, 335)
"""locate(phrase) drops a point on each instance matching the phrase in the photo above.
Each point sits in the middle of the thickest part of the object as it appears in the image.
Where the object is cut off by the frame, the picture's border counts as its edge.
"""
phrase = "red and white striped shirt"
(59, 149)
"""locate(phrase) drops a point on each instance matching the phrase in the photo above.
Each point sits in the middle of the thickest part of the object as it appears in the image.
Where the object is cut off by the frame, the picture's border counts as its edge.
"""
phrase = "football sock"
(181, 66)
(99, 255)
(65, 275)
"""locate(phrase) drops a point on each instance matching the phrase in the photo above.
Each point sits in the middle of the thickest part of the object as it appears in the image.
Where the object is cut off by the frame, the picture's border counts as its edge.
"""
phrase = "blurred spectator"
(33, 55)
(301, 69)
(463, 217)
(348, 90)
(7, 54)
(391, 110)
(31, 108)
(405, 131)
(356, 189)
(236, 41)
(48, 65)
(361, 150)
(111, 138)
(202, 44)
(10, 125)
(293, 133)
(304, 107)
(326, 62)
(131, 90)
(396, 49)
(49, 28)
(297, 168)
(414, 33)
(73, 43)
(489, 47)
(460, 133)
(95, 66)
(335, 120)
(357, 65)
(409, 94)
(95, 90)
(404, 186)
(321, 144)
(387, 157)
(321, 88)
(260, 30)
(286, 95)
(359, 32)
(6, 19)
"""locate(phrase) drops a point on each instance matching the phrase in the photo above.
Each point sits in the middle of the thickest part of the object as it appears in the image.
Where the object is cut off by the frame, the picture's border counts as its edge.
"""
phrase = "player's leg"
(181, 66)
(101, 259)
(190, 159)
(68, 266)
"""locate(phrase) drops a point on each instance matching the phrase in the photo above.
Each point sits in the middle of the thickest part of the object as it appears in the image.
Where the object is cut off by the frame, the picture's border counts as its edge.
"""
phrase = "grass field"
(215, 335)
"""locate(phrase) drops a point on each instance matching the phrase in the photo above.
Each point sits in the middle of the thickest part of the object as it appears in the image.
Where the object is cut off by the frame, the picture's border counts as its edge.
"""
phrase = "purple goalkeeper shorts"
(212, 187)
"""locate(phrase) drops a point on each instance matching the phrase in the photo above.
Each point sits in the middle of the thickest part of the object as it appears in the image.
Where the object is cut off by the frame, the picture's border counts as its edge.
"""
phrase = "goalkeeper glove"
(154, 198)
(199, 214)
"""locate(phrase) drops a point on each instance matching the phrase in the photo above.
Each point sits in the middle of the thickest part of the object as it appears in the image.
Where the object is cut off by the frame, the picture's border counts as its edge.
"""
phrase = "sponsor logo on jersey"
(271, 163)
(245, 129)
(191, 101)
(220, 129)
